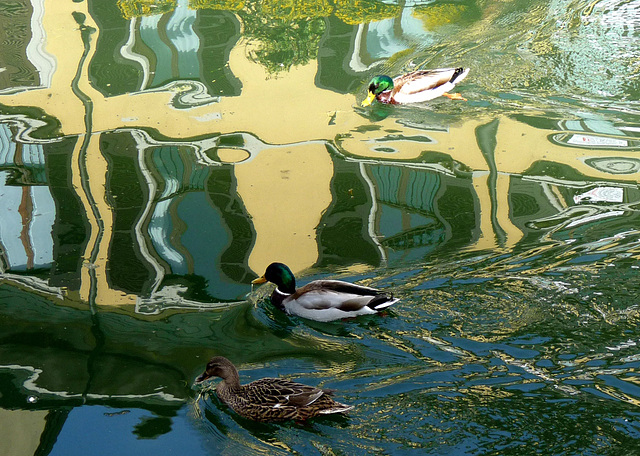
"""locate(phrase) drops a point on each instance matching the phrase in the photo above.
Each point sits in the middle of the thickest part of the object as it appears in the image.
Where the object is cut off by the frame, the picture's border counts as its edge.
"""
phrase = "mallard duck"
(416, 87)
(269, 399)
(323, 300)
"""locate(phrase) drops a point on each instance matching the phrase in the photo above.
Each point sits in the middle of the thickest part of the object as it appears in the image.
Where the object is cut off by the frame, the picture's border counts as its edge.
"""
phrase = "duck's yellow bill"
(259, 280)
(369, 99)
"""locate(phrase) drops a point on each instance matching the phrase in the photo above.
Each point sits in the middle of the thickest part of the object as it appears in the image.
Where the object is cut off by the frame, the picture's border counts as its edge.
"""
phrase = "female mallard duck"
(323, 300)
(269, 399)
(416, 87)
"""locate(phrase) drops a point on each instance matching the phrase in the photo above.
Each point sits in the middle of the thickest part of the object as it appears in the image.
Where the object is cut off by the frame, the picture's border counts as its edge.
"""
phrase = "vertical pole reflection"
(80, 157)
(485, 239)
(486, 137)
(91, 175)
(372, 216)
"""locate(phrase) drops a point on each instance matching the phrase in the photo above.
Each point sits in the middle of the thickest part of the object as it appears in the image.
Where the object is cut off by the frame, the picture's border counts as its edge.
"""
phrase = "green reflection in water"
(516, 332)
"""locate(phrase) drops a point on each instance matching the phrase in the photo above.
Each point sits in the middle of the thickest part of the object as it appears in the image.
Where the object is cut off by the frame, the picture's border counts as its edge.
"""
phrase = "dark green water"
(156, 156)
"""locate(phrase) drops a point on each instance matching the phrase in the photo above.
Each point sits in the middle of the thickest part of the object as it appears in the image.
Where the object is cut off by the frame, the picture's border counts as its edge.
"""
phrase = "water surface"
(155, 157)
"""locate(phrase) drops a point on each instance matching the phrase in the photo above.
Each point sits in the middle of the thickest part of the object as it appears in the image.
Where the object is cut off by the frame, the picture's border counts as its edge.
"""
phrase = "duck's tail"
(382, 301)
(459, 74)
(337, 407)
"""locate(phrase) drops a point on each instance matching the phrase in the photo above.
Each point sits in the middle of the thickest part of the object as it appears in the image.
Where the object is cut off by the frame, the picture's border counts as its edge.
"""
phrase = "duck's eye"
(372, 88)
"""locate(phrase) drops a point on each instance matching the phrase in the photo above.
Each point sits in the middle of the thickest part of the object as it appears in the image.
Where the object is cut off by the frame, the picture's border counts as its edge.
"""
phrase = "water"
(155, 157)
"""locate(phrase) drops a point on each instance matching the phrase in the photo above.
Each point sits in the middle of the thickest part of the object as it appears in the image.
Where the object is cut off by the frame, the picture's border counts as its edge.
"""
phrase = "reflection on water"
(180, 223)
(156, 156)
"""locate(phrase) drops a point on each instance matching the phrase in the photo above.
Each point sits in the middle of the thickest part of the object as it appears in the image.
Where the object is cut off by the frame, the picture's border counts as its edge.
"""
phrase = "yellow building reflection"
(285, 187)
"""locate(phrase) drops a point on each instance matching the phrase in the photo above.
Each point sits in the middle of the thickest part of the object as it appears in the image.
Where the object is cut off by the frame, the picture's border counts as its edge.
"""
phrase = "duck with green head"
(323, 300)
(415, 87)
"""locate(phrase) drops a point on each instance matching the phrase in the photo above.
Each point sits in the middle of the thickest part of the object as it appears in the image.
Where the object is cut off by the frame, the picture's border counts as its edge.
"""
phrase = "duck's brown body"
(269, 399)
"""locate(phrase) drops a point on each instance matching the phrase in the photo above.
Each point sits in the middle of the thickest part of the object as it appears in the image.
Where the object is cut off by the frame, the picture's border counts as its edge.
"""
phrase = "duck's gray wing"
(422, 80)
(338, 286)
(344, 296)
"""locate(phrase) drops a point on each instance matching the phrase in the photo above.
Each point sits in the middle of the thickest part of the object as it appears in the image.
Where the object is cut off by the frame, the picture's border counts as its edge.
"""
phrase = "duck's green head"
(377, 85)
(281, 275)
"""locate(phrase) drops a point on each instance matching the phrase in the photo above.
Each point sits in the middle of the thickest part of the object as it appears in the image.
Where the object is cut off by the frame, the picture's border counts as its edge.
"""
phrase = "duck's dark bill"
(202, 377)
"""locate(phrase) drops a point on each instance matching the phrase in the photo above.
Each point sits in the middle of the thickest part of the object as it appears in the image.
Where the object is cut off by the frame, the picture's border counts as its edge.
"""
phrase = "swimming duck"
(269, 399)
(415, 87)
(323, 300)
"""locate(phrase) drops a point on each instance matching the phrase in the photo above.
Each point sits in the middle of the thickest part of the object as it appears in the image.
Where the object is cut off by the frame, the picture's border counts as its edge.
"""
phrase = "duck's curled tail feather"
(382, 301)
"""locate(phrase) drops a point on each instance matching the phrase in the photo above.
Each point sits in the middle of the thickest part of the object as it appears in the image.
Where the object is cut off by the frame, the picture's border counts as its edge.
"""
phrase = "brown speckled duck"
(323, 300)
(269, 399)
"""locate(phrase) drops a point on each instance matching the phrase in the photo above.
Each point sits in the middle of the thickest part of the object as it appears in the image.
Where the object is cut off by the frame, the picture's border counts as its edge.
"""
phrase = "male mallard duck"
(323, 300)
(416, 87)
(269, 399)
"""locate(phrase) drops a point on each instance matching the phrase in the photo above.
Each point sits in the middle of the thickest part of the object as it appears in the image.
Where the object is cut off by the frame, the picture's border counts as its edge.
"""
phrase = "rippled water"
(156, 156)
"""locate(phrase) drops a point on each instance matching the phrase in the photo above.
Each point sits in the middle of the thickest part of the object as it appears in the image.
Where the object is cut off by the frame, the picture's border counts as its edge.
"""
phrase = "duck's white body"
(431, 84)
(323, 300)
(415, 87)
(328, 300)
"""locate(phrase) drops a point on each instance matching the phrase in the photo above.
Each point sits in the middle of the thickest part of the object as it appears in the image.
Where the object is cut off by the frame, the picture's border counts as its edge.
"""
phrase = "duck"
(415, 87)
(323, 300)
(269, 399)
